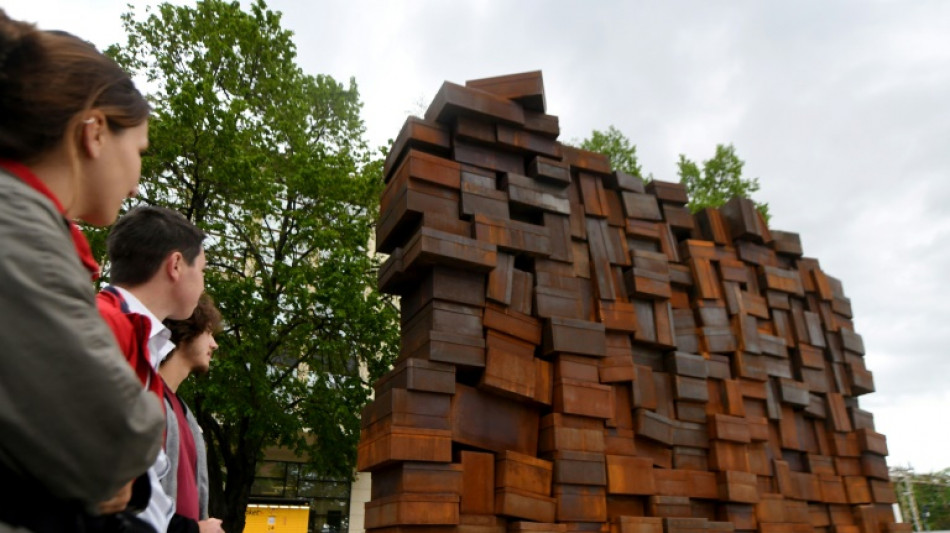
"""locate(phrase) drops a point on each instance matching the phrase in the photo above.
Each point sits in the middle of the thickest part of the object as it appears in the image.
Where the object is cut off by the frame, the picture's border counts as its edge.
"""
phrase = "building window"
(285, 482)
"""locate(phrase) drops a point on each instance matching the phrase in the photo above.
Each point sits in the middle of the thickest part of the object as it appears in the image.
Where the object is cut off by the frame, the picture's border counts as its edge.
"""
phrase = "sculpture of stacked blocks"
(580, 353)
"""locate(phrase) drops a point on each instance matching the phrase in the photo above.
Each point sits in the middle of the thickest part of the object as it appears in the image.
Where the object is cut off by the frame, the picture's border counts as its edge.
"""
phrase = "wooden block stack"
(580, 353)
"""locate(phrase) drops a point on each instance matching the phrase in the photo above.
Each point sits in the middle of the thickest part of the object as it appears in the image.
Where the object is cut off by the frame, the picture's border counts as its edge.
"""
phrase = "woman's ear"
(92, 134)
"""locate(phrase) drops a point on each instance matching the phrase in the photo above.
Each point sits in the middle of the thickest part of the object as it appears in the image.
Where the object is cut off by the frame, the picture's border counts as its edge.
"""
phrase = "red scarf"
(83, 249)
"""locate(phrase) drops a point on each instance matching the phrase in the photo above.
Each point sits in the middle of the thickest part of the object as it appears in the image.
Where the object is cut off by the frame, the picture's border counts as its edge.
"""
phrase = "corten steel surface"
(580, 353)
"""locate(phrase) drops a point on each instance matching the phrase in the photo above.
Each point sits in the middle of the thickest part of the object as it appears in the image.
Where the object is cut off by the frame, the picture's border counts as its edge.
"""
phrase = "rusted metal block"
(444, 347)
(580, 503)
(871, 441)
(622, 523)
(672, 482)
(535, 194)
(874, 466)
(786, 243)
(857, 490)
(418, 375)
(550, 170)
(487, 157)
(744, 221)
(551, 302)
(686, 525)
(542, 123)
(478, 483)
(587, 160)
(643, 283)
(513, 236)
(510, 428)
(783, 280)
(403, 407)
(559, 432)
(882, 491)
(583, 398)
(431, 247)
(453, 100)
(669, 506)
(729, 428)
(417, 478)
(574, 336)
(742, 515)
(832, 489)
(640, 206)
(690, 389)
(690, 459)
(520, 139)
(509, 366)
(529, 506)
(678, 218)
(476, 200)
(619, 441)
(653, 426)
(625, 182)
(386, 444)
(703, 485)
(419, 135)
(668, 191)
(506, 320)
(659, 453)
(523, 472)
(536, 527)
(712, 226)
(738, 487)
(728, 456)
(526, 88)
(413, 509)
(578, 468)
(411, 204)
(689, 411)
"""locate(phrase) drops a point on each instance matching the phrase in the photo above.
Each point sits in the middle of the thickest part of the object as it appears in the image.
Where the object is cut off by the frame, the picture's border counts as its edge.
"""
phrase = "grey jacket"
(172, 449)
(74, 419)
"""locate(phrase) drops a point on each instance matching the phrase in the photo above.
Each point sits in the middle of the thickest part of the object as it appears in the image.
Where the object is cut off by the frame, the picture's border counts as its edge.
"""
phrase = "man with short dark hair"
(157, 272)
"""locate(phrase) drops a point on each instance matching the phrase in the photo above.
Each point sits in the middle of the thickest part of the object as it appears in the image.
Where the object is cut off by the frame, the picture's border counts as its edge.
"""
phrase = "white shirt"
(161, 507)
(159, 339)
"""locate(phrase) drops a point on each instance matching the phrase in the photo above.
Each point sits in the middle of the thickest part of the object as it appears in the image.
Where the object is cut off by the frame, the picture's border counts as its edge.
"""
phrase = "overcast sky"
(841, 109)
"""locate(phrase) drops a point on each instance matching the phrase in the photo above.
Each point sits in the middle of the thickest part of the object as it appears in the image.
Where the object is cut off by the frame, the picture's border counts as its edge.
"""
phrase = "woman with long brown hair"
(76, 425)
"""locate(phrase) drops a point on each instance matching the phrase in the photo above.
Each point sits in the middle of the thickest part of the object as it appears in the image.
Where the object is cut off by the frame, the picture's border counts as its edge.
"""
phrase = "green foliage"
(719, 180)
(712, 186)
(271, 162)
(931, 494)
(616, 146)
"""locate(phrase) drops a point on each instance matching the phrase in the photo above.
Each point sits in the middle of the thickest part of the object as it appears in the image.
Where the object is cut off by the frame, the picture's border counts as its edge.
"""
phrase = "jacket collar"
(83, 250)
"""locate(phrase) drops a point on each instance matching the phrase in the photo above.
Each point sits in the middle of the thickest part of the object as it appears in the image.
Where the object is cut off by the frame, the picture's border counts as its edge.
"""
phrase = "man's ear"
(92, 132)
(174, 264)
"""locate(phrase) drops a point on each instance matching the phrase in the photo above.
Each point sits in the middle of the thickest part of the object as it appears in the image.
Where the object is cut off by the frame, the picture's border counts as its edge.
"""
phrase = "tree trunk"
(231, 471)
(237, 491)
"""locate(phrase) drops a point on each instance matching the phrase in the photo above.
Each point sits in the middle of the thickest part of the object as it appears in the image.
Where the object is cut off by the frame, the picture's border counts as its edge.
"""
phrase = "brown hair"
(206, 317)
(47, 79)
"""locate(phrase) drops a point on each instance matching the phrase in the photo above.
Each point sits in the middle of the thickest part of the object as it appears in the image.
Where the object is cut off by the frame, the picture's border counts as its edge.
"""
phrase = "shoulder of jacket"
(110, 307)
(12, 187)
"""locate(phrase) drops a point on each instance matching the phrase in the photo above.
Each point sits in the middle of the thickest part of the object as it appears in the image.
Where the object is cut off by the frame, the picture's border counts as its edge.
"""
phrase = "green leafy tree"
(719, 180)
(931, 495)
(616, 146)
(271, 162)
